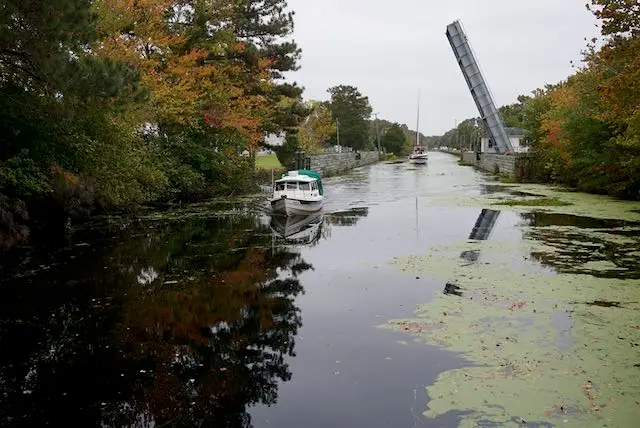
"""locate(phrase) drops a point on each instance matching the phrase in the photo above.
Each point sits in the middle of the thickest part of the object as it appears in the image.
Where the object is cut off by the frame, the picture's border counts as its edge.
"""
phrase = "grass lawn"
(268, 162)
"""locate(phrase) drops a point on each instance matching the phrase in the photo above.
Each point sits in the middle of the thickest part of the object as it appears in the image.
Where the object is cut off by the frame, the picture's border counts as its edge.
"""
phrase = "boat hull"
(291, 207)
(418, 160)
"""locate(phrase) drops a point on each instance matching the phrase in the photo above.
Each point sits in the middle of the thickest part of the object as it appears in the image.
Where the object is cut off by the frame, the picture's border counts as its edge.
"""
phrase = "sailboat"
(418, 155)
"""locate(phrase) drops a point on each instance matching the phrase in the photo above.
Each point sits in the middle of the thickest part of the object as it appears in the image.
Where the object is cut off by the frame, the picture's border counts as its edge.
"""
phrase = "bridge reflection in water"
(481, 231)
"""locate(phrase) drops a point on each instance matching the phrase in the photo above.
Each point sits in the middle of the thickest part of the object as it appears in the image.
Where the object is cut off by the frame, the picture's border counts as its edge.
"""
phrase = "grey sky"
(389, 49)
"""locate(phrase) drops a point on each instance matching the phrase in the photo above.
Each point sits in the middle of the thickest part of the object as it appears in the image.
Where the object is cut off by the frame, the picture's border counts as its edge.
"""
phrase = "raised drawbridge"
(489, 114)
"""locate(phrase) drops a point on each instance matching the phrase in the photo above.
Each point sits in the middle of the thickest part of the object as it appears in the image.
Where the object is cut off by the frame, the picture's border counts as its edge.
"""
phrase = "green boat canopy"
(311, 174)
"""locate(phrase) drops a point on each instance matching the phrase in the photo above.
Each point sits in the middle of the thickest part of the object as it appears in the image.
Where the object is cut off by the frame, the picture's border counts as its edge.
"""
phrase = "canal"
(424, 296)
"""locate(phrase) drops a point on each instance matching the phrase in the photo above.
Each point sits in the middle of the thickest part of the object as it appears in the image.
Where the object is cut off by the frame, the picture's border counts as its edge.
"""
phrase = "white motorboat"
(297, 193)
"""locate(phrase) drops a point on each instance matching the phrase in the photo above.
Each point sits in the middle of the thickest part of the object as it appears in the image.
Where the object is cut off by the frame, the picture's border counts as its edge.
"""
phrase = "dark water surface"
(217, 315)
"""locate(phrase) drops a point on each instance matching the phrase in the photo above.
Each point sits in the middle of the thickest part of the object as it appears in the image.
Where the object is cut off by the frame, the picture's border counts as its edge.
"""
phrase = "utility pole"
(338, 133)
(377, 131)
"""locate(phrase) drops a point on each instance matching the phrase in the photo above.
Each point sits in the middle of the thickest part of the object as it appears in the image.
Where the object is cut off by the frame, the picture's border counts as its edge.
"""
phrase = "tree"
(351, 110)
(265, 26)
(64, 112)
(317, 128)
(513, 114)
(116, 103)
(214, 87)
(394, 140)
(619, 17)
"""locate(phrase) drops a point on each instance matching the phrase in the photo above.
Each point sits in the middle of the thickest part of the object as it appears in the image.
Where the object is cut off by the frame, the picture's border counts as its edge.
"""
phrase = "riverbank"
(525, 168)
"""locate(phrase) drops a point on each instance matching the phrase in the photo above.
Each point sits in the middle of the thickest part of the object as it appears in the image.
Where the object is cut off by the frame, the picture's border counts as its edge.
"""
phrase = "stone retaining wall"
(336, 163)
(469, 157)
(512, 165)
(498, 164)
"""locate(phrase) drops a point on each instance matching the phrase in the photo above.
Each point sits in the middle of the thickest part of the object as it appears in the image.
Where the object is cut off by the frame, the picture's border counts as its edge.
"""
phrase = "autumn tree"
(112, 103)
(214, 74)
(317, 128)
(618, 17)
(351, 110)
(265, 27)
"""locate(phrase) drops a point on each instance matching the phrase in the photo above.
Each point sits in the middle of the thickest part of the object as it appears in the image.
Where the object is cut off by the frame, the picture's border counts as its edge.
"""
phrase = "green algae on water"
(525, 362)
(542, 202)
(580, 204)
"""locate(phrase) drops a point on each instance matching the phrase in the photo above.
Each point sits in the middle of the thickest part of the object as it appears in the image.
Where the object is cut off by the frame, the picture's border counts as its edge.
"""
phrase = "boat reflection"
(298, 229)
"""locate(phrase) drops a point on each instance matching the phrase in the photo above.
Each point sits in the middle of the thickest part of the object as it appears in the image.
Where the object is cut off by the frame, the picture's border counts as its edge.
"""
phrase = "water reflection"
(180, 323)
(543, 219)
(348, 217)
(300, 230)
(604, 248)
(481, 231)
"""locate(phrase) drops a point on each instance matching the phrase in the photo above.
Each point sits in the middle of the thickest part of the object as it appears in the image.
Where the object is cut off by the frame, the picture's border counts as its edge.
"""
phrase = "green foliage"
(513, 115)
(394, 140)
(22, 176)
(410, 134)
(317, 128)
(113, 104)
(618, 16)
(286, 152)
(466, 136)
(351, 110)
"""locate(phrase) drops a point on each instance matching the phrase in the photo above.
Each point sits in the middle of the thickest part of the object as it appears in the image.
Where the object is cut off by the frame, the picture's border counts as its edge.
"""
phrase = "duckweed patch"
(581, 204)
(543, 326)
(542, 202)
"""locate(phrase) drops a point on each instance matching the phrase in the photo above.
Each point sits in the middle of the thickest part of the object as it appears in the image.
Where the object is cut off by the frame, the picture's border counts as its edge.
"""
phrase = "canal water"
(216, 315)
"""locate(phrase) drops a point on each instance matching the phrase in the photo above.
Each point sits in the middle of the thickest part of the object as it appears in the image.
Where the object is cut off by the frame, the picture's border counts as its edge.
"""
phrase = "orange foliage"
(64, 176)
(185, 84)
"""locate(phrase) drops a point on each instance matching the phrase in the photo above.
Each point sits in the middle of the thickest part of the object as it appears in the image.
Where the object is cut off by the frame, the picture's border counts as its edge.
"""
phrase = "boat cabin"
(297, 186)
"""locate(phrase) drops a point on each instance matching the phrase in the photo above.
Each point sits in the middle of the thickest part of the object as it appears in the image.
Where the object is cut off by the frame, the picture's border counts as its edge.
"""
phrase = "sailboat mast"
(418, 122)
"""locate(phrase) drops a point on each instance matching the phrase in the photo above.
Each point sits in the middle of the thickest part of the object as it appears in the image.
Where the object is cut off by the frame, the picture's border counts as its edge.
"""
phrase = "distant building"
(274, 139)
(516, 136)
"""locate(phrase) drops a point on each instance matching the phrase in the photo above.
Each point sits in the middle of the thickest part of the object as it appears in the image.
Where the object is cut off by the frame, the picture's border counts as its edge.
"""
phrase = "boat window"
(279, 187)
(305, 186)
(292, 186)
(313, 185)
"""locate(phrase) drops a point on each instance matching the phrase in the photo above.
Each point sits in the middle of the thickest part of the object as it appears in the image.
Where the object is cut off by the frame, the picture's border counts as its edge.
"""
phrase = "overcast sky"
(389, 49)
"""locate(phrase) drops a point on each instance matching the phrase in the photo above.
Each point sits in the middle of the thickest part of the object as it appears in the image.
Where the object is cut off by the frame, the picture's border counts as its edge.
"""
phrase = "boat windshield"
(292, 185)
